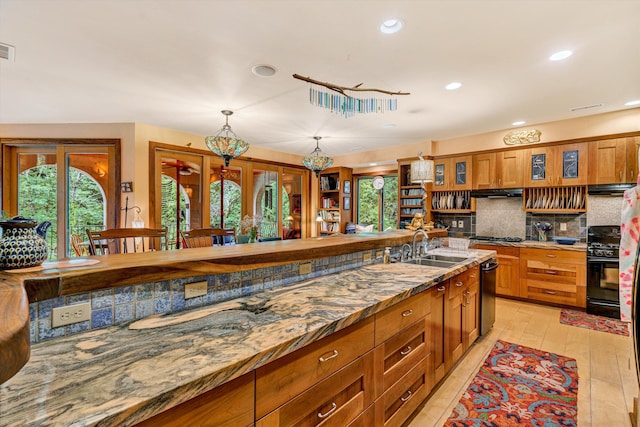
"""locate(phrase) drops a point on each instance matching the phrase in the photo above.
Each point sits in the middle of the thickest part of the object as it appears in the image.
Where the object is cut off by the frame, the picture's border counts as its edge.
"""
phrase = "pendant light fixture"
(226, 143)
(317, 161)
(422, 170)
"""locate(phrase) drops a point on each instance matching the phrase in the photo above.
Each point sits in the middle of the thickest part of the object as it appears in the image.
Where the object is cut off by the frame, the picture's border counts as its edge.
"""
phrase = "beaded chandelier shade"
(226, 143)
(317, 161)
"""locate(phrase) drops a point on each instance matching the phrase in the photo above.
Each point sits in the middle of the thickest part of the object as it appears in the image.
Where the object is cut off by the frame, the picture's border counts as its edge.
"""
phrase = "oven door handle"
(601, 260)
(602, 303)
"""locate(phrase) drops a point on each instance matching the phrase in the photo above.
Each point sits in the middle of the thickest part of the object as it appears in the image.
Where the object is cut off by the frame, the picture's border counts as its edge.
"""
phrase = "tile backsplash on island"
(119, 305)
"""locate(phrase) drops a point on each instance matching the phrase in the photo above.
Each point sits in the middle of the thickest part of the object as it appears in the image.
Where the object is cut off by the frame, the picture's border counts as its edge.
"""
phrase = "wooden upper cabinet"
(613, 161)
(557, 165)
(453, 173)
(498, 170)
(510, 169)
(484, 171)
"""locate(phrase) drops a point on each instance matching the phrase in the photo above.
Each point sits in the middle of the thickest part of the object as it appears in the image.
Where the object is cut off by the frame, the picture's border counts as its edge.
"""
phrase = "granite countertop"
(536, 244)
(123, 374)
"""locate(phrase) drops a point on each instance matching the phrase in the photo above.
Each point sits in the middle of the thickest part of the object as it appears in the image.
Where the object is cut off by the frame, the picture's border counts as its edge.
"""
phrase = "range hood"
(609, 189)
(495, 193)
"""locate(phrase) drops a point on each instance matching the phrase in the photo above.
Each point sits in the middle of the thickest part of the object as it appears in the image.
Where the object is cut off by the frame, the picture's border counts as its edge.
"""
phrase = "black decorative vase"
(23, 243)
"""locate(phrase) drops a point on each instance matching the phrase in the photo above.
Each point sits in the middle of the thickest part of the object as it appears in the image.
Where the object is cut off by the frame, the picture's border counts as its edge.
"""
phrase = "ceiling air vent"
(7, 52)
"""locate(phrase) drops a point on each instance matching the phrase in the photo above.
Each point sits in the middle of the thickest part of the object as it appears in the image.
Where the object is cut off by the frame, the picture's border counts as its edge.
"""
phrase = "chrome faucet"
(414, 249)
(405, 252)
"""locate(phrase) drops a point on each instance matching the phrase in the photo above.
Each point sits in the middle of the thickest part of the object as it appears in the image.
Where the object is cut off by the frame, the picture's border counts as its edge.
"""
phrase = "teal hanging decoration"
(337, 101)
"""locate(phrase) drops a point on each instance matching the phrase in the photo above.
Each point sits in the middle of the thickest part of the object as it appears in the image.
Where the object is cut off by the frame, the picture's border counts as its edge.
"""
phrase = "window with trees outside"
(377, 207)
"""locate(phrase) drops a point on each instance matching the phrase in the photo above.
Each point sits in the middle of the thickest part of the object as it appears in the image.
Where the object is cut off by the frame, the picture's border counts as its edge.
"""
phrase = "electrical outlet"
(366, 257)
(563, 226)
(379, 254)
(305, 268)
(61, 316)
(197, 289)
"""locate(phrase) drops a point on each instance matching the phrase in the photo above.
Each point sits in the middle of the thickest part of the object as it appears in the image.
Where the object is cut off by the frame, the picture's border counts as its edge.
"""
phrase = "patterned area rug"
(520, 386)
(591, 321)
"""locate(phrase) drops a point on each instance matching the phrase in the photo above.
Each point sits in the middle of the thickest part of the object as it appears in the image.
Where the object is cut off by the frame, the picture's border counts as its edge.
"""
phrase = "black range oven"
(603, 296)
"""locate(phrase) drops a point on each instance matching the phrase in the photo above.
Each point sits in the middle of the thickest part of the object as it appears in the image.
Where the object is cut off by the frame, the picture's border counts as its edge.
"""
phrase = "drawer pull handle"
(408, 394)
(474, 275)
(407, 313)
(551, 272)
(441, 288)
(459, 284)
(329, 412)
(551, 256)
(550, 292)
(406, 351)
(333, 356)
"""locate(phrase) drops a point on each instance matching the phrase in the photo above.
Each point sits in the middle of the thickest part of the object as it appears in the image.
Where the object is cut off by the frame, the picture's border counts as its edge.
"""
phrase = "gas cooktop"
(497, 239)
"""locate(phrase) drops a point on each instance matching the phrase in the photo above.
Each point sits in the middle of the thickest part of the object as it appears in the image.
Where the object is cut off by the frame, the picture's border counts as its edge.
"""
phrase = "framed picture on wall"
(296, 202)
(347, 187)
(346, 203)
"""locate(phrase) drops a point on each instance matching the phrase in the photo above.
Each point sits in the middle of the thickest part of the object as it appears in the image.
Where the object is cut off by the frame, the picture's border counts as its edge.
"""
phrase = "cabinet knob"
(407, 313)
(406, 351)
(329, 412)
(441, 288)
(549, 292)
(333, 355)
(459, 284)
(551, 272)
(551, 256)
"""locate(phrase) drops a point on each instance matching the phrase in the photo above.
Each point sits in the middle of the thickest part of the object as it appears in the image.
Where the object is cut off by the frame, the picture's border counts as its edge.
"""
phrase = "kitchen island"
(123, 374)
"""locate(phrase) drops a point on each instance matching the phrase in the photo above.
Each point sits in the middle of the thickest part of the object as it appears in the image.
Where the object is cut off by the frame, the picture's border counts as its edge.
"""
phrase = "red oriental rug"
(520, 386)
(591, 321)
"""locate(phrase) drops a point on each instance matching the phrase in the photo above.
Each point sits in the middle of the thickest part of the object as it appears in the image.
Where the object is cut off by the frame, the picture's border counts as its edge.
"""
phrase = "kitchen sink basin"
(431, 262)
(447, 258)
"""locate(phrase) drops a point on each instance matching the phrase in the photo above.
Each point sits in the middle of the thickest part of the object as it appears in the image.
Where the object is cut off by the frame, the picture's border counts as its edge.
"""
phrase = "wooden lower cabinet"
(285, 378)
(462, 325)
(439, 311)
(508, 272)
(230, 405)
(557, 277)
(336, 400)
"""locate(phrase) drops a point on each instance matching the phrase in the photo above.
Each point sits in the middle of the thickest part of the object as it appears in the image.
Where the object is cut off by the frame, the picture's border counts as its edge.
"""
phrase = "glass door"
(181, 198)
(225, 196)
(292, 209)
(73, 186)
(265, 202)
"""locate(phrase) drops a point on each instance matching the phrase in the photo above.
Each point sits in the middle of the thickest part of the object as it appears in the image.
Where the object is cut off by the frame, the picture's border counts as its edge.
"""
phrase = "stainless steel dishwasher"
(487, 295)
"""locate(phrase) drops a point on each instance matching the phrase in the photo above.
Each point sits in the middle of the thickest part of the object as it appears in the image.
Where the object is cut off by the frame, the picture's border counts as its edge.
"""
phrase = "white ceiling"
(177, 63)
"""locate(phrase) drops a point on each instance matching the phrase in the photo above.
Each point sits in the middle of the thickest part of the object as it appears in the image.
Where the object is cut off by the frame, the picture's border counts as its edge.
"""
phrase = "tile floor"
(607, 379)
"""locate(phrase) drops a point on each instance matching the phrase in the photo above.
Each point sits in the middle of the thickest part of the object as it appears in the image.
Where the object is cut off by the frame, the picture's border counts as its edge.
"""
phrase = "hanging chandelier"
(317, 161)
(226, 143)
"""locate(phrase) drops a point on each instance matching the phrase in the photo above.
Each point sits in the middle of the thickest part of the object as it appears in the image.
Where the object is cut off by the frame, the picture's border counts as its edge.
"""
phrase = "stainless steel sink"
(448, 258)
(431, 262)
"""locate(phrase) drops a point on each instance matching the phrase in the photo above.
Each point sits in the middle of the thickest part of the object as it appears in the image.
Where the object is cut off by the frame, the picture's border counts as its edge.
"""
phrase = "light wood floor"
(607, 380)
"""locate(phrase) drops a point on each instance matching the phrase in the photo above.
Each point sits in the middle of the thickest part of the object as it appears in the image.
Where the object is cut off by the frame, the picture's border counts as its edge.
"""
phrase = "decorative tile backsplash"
(123, 304)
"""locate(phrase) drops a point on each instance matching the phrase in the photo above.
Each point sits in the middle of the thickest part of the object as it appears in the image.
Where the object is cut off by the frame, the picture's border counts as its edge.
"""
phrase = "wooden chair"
(78, 247)
(127, 240)
(205, 237)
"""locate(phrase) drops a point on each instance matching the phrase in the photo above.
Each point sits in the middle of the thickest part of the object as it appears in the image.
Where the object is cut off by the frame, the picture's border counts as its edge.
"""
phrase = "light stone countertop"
(123, 374)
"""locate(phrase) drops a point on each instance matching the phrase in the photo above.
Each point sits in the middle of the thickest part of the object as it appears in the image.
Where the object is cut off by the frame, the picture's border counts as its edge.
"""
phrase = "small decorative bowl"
(565, 240)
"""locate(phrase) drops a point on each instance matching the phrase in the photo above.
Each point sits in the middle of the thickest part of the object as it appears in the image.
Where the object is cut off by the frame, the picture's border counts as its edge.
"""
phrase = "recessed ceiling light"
(518, 123)
(389, 125)
(453, 86)
(391, 26)
(373, 164)
(264, 70)
(632, 103)
(559, 56)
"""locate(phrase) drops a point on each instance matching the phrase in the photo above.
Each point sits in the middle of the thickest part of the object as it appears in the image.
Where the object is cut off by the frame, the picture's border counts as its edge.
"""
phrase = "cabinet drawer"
(459, 283)
(396, 356)
(501, 250)
(337, 400)
(366, 419)
(230, 405)
(397, 317)
(287, 377)
(565, 294)
(569, 257)
(399, 402)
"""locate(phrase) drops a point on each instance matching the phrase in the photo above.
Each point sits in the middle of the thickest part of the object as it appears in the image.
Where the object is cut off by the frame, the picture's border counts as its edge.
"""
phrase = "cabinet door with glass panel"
(558, 165)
